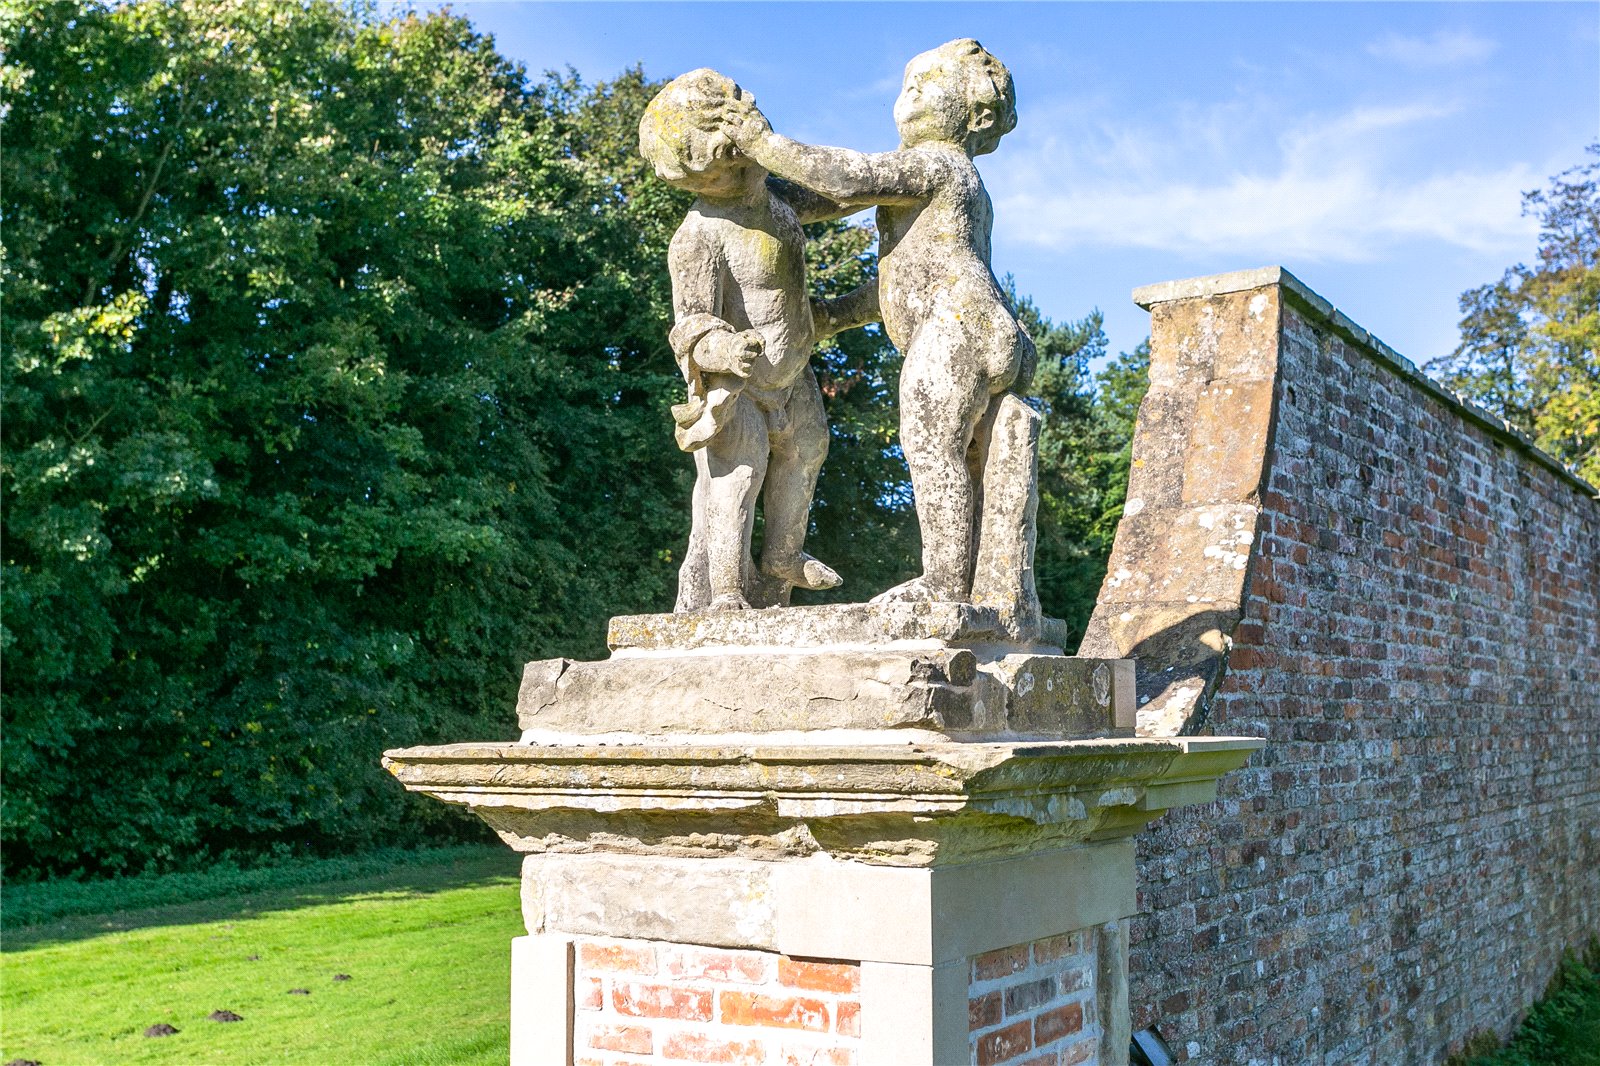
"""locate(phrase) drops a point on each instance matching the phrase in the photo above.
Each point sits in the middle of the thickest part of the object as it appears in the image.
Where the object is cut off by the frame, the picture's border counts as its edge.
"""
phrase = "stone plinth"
(867, 903)
(864, 673)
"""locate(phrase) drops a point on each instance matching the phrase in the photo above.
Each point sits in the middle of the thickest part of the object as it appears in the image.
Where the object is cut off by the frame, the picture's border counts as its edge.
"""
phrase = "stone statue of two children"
(745, 327)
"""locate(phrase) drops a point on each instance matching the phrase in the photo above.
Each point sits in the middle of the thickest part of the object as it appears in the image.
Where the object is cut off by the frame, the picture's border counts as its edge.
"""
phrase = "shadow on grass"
(62, 912)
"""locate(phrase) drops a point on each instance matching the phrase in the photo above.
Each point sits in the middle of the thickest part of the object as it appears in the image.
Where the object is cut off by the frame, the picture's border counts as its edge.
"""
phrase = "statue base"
(854, 834)
(857, 673)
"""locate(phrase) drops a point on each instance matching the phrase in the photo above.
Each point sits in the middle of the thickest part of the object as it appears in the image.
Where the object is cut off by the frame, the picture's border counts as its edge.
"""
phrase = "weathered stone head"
(680, 136)
(956, 94)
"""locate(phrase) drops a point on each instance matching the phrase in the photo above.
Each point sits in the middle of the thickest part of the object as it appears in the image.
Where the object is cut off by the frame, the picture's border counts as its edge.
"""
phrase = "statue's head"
(956, 93)
(674, 137)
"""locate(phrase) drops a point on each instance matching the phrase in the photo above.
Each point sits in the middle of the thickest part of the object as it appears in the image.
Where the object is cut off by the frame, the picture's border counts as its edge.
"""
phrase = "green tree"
(320, 334)
(1084, 449)
(1530, 342)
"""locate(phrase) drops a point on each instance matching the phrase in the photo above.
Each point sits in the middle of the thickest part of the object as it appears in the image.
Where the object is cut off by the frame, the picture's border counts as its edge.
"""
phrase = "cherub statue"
(942, 306)
(744, 330)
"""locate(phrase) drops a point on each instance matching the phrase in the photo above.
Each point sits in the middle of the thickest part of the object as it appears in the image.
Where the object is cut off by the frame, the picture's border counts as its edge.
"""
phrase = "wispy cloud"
(1328, 187)
(1442, 49)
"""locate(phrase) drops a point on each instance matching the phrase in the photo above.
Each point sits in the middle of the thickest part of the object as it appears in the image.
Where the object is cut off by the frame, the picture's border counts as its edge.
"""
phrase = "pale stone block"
(926, 693)
(722, 903)
(1111, 993)
(914, 1013)
(541, 1000)
(1224, 460)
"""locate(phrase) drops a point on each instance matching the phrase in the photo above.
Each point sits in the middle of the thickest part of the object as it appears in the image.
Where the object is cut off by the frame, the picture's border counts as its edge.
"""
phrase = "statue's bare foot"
(804, 572)
(729, 602)
(917, 590)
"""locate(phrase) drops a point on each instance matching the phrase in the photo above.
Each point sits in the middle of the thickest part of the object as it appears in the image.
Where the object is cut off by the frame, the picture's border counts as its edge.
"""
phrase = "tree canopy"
(1530, 342)
(335, 388)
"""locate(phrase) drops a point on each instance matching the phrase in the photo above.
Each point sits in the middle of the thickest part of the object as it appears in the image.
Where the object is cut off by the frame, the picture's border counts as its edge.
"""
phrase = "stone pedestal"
(823, 835)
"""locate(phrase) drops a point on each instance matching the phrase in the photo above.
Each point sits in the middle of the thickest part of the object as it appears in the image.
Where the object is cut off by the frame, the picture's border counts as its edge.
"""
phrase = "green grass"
(1562, 1029)
(425, 942)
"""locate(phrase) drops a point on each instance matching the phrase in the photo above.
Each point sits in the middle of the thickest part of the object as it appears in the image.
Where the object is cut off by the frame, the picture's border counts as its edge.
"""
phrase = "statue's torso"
(934, 256)
(763, 284)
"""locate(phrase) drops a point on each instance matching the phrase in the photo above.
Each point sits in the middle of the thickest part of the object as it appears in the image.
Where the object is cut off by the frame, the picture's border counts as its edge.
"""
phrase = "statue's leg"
(736, 459)
(944, 391)
(797, 456)
(694, 581)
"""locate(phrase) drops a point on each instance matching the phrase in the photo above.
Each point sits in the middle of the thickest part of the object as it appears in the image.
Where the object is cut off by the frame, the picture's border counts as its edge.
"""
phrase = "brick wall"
(639, 1001)
(1404, 863)
(649, 1003)
(1034, 1004)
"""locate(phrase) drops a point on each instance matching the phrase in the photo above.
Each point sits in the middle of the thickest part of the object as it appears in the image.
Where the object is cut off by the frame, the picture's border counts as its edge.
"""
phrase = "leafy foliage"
(334, 390)
(1530, 342)
(1562, 1029)
(336, 387)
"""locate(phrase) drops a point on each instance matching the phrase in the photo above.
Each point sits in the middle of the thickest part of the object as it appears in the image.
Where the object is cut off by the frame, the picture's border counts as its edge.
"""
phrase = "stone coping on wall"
(1308, 300)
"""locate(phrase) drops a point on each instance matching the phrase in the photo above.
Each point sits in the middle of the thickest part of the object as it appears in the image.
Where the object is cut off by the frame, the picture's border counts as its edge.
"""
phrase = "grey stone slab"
(751, 691)
(933, 690)
(810, 627)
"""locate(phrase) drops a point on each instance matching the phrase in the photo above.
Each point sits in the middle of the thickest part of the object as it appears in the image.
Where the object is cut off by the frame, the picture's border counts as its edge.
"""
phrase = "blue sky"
(1377, 150)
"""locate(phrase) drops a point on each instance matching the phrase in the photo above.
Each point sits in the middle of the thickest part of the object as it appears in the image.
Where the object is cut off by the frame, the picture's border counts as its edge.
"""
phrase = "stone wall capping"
(1307, 299)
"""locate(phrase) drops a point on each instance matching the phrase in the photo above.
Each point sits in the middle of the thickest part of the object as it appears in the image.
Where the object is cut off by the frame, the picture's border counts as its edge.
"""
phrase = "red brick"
(779, 1012)
(619, 958)
(1001, 963)
(1052, 948)
(635, 1038)
(1054, 1024)
(1072, 980)
(702, 1047)
(590, 993)
(1028, 995)
(847, 1018)
(1004, 1044)
(983, 1011)
(819, 976)
(745, 967)
(641, 1000)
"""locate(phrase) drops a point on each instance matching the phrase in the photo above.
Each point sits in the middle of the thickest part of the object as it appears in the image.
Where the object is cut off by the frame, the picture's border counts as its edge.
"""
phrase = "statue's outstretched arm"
(851, 180)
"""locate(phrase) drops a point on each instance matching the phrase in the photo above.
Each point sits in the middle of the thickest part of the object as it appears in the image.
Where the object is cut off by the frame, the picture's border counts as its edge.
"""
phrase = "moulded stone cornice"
(902, 805)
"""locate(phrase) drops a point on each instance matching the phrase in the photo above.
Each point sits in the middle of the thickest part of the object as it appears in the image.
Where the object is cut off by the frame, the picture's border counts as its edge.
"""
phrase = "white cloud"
(1222, 180)
(1444, 48)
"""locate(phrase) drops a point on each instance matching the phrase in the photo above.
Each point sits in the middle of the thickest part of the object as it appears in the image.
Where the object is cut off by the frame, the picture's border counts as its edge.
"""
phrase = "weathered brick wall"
(1034, 1004)
(643, 1002)
(650, 1003)
(1404, 863)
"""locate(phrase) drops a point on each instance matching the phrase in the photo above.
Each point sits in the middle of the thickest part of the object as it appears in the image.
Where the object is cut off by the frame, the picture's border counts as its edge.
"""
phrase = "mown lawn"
(424, 942)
